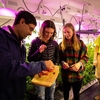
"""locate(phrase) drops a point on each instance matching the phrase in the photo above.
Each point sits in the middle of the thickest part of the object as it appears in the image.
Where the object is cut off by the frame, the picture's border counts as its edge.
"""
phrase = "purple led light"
(7, 12)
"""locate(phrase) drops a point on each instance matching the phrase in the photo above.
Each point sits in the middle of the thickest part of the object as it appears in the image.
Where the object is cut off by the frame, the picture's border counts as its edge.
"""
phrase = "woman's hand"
(42, 48)
(75, 67)
(65, 65)
(95, 62)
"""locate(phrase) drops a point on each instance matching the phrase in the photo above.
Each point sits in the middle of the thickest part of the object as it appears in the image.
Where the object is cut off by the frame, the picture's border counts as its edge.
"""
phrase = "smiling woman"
(73, 56)
(44, 47)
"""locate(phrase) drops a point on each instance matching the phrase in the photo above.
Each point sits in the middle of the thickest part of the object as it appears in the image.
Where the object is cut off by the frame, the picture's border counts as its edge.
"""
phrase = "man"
(13, 68)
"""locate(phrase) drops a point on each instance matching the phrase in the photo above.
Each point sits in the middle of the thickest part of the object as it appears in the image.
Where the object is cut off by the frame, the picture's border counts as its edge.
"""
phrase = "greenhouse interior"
(83, 14)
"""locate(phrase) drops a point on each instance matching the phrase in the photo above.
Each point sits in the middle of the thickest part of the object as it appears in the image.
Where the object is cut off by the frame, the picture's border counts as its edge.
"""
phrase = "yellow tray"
(46, 80)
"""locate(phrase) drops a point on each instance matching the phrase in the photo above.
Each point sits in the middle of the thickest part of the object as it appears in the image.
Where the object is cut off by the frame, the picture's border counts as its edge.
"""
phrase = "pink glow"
(7, 12)
(77, 27)
(98, 30)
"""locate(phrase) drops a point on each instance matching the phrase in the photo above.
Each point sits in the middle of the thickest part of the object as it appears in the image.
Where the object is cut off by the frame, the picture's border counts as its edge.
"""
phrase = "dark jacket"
(50, 53)
(13, 68)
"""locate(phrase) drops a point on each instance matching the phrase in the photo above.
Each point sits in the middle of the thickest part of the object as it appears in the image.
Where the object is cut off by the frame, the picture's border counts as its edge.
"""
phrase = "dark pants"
(76, 86)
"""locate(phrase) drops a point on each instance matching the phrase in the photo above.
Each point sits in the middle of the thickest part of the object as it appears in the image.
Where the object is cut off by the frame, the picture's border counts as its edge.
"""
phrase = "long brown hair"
(75, 40)
(47, 24)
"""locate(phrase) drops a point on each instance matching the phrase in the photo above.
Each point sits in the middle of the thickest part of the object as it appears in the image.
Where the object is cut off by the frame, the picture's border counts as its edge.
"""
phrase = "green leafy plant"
(89, 71)
(30, 89)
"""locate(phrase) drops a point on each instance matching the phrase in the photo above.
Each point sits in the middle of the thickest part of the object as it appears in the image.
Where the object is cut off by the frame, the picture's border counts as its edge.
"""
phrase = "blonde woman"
(73, 56)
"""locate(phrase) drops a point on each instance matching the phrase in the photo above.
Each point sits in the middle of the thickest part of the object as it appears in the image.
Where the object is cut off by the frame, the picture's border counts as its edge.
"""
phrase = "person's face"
(68, 33)
(25, 30)
(48, 33)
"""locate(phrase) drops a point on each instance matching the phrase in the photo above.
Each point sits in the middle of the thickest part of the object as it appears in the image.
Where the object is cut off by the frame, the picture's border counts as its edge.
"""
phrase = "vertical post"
(63, 21)
(79, 28)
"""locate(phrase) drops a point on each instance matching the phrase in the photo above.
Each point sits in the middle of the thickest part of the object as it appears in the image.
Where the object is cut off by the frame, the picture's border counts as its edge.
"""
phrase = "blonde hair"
(75, 40)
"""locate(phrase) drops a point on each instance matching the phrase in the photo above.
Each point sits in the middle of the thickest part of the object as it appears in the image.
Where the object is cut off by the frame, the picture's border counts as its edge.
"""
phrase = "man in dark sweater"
(13, 68)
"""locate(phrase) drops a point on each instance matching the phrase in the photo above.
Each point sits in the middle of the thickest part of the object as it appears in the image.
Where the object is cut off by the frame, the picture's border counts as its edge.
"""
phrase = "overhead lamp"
(7, 13)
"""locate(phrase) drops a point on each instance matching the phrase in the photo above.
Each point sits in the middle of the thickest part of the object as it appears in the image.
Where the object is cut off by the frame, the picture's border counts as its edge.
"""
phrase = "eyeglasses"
(31, 28)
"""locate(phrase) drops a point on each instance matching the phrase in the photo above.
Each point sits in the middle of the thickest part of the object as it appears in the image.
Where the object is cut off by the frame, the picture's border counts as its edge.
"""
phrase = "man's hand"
(49, 64)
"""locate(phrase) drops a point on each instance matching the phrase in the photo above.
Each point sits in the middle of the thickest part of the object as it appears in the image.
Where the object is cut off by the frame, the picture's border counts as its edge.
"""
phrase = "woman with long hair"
(73, 56)
(45, 48)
